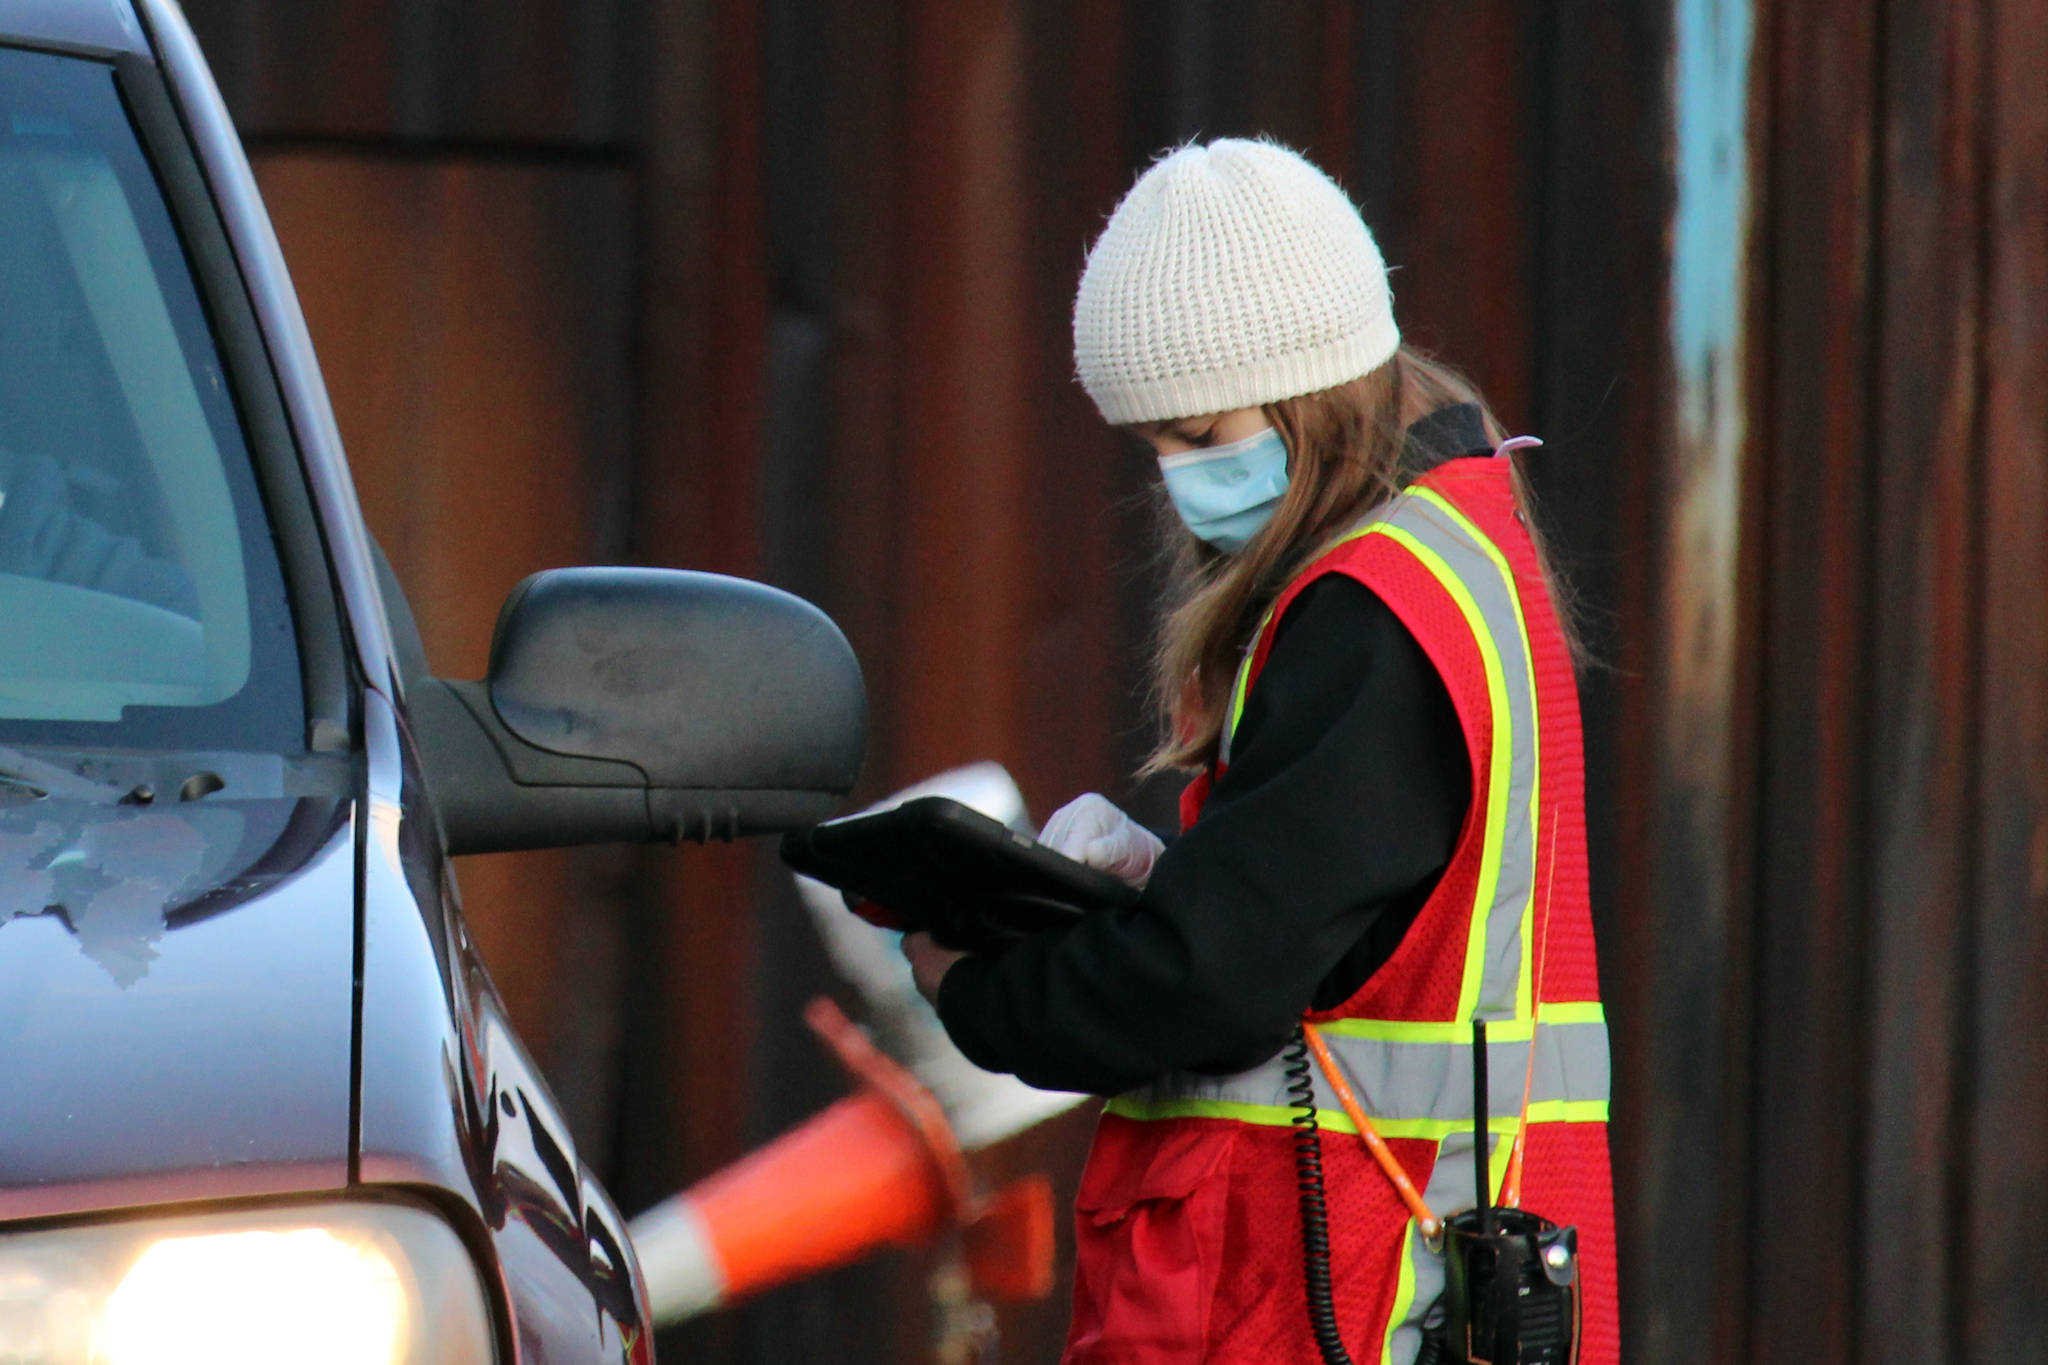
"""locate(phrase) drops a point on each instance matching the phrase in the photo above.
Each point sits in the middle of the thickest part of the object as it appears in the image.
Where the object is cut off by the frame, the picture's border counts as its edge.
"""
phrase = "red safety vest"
(1188, 1221)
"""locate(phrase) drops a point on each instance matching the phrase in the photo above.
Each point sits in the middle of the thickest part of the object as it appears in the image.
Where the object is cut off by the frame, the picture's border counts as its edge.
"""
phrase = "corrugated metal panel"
(549, 74)
(2004, 1011)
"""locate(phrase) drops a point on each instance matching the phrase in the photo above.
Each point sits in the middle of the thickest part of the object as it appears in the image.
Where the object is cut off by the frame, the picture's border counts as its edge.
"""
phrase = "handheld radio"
(1511, 1278)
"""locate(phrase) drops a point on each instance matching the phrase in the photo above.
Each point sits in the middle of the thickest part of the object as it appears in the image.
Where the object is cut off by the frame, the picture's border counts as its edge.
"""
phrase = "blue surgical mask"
(1226, 494)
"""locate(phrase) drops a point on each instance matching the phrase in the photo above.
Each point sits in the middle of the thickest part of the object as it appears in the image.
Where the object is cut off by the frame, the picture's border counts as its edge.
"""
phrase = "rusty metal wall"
(1900, 834)
(780, 287)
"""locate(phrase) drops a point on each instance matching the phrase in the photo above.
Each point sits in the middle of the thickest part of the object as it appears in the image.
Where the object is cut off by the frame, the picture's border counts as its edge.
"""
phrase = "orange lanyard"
(1428, 1222)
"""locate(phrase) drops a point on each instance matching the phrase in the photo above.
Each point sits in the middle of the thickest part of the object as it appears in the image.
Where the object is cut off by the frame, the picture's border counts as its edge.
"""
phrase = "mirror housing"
(639, 705)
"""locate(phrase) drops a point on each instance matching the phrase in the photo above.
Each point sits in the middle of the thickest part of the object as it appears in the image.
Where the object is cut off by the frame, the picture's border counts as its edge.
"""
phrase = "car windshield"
(140, 592)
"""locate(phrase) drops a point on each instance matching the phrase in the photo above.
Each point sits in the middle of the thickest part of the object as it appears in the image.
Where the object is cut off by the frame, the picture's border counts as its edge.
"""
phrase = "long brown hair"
(1345, 448)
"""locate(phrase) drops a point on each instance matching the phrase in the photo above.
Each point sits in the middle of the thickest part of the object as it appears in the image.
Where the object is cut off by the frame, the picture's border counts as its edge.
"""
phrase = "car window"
(141, 591)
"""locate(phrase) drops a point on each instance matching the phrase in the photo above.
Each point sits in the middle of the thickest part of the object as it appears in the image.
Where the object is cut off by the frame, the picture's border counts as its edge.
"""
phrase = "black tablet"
(974, 882)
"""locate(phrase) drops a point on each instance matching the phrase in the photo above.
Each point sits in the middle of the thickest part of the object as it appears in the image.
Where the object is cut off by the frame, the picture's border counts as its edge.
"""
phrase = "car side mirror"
(640, 705)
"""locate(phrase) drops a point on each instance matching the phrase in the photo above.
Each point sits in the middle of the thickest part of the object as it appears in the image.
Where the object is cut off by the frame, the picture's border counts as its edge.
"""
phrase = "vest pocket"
(1148, 1232)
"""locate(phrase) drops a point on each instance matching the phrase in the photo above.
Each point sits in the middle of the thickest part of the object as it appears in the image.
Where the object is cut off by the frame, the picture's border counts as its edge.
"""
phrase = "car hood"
(176, 998)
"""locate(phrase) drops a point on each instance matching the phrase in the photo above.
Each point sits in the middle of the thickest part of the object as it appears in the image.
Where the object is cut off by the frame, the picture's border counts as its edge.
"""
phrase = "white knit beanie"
(1230, 276)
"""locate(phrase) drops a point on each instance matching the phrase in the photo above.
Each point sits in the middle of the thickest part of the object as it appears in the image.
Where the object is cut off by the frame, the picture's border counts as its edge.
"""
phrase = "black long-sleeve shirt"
(1348, 785)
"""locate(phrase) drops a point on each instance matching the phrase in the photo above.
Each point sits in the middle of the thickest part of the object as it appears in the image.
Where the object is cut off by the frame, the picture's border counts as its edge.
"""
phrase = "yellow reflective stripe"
(1497, 1167)
(1243, 685)
(1524, 993)
(1568, 1111)
(1357, 531)
(1571, 1012)
(1460, 1033)
(1426, 1031)
(1500, 778)
(1404, 1293)
(1336, 1121)
(1131, 1107)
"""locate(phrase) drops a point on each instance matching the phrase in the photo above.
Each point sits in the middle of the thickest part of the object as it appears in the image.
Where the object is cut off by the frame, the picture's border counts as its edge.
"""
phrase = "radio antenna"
(1479, 1125)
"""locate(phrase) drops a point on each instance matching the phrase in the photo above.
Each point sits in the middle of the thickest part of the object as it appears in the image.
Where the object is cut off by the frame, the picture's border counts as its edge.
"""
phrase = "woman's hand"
(929, 963)
(1090, 829)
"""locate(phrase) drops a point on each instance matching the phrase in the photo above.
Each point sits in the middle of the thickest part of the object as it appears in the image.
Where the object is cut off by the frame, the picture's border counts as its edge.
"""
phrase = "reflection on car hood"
(175, 994)
(117, 877)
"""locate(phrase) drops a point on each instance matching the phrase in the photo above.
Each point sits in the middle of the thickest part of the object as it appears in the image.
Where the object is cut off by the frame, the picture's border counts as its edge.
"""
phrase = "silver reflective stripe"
(1482, 585)
(1410, 1081)
(1450, 1189)
(1435, 527)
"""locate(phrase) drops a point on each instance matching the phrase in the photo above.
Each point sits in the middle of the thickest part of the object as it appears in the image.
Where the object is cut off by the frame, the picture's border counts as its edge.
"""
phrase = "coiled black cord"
(1315, 1212)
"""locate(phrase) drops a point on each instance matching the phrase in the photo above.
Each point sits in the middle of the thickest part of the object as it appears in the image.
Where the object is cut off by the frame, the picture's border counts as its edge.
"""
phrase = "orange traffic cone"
(877, 1168)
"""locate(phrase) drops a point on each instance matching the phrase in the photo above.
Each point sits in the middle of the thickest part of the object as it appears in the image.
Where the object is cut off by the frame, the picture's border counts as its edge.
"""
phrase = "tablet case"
(972, 882)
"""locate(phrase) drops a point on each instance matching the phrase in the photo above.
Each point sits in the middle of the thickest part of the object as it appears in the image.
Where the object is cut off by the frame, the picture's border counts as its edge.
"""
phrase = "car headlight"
(323, 1284)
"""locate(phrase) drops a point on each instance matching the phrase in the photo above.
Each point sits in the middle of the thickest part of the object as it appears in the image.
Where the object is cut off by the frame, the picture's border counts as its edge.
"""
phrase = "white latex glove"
(1090, 829)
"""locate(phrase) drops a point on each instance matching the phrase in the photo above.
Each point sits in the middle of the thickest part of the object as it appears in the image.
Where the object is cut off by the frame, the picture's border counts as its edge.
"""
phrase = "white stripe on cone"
(674, 1247)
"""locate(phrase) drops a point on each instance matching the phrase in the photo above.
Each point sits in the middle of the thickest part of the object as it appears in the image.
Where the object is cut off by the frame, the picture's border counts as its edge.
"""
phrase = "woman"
(1384, 838)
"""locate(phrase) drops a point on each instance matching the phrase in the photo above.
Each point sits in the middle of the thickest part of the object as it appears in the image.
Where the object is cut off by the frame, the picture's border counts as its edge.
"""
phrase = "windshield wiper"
(19, 772)
(22, 784)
